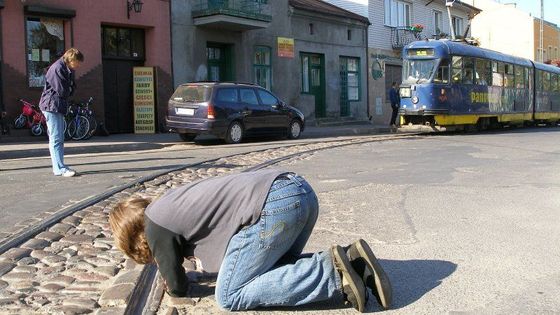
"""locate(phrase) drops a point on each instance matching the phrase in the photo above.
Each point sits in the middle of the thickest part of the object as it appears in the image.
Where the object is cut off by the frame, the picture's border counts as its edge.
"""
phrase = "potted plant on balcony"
(417, 28)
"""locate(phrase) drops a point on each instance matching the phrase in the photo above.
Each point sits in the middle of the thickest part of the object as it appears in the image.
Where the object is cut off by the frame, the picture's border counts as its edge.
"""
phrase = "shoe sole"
(381, 281)
(350, 279)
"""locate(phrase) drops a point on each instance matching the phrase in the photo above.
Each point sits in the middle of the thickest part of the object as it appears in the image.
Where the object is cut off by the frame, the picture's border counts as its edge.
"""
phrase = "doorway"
(313, 80)
(220, 62)
(123, 49)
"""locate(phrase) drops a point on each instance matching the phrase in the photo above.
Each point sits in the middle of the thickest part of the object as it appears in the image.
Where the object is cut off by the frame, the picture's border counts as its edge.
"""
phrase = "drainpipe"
(2, 108)
(368, 73)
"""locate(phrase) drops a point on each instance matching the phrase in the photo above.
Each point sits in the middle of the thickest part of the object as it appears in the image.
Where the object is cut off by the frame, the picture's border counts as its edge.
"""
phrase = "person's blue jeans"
(262, 265)
(55, 129)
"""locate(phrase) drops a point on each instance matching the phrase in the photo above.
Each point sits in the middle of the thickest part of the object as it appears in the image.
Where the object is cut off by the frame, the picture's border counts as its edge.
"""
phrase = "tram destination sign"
(424, 52)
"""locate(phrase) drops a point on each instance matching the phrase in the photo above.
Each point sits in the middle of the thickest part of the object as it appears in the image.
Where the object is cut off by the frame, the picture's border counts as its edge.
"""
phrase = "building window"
(45, 44)
(350, 72)
(457, 25)
(437, 20)
(311, 28)
(550, 55)
(122, 42)
(262, 67)
(305, 74)
(349, 34)
(555, 52)
(397, 13)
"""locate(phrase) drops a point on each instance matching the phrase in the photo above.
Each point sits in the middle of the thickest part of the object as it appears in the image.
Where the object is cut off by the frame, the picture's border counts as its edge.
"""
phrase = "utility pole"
(449, 4)
(541, 37)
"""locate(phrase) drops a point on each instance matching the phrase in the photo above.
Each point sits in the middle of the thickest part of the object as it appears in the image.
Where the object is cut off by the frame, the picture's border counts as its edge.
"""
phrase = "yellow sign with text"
(285, 47)
(144, 99)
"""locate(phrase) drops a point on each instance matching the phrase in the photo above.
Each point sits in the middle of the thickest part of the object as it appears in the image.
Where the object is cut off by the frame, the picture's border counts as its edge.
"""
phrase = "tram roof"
(545, 67)
(462, 49)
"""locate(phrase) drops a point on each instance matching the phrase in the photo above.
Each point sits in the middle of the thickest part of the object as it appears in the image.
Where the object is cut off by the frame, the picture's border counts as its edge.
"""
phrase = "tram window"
(497, 79)
(442, 75)
(539, 80)
(519, 82)
(554, 82)
(508, 68)
(457, 75)
(498, 73)
(501, 67)
(468, 70)
(509, 78)
(546, 81)
(457, 62)
(526, 74)
(482, 70)
(457, 71)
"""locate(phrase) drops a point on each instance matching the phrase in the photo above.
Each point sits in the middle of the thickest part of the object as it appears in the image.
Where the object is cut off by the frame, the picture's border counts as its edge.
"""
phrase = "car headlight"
(414, 99)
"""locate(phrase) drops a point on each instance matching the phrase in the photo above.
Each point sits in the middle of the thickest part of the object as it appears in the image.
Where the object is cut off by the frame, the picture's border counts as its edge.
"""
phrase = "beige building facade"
(507, 29)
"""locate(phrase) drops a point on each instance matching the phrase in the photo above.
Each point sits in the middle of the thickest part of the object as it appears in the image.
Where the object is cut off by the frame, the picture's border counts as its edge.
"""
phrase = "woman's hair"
(72, 54)
(127, 223)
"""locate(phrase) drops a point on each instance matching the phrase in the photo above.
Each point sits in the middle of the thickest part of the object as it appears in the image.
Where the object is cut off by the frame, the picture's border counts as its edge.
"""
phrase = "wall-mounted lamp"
(135, 5)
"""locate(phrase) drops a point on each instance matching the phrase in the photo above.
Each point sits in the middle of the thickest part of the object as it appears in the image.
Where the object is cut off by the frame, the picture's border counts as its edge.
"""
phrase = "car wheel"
(295, 129)
(234, 133)
(187, 136)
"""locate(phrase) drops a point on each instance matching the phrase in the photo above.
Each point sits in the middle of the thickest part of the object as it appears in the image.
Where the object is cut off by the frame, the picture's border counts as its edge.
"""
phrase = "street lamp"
(135, 4)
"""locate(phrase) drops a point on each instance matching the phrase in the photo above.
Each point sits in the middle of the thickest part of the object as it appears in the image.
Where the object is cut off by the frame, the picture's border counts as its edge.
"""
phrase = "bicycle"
(31, 117)
(81, 121)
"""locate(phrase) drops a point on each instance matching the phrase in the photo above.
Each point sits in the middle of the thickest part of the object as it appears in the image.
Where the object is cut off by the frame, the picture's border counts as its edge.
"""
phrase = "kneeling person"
(251, 228)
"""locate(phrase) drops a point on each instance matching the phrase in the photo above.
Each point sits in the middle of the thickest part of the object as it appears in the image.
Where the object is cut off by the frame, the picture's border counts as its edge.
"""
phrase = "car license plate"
(184, 111)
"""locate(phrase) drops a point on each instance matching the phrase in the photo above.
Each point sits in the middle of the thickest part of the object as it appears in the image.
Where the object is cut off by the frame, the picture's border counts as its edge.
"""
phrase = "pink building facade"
(34, 33)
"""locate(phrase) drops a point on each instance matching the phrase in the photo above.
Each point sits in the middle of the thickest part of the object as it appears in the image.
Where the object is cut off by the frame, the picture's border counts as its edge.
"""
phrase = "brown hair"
(72, 54)
(127, 223)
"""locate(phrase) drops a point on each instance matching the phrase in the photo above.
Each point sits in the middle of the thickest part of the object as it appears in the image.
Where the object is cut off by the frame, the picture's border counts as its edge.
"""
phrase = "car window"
(267, 99)
(192, 93)
(227, 95)
(248, 96)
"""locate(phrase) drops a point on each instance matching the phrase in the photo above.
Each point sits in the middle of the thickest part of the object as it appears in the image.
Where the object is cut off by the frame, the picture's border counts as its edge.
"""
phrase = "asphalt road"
(464, 224)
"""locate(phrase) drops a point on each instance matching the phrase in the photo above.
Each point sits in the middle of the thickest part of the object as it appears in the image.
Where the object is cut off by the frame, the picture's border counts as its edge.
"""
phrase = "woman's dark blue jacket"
(59, 86)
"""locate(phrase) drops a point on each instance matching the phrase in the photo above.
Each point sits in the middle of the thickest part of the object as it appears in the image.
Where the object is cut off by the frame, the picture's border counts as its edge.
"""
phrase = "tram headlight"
(414, 99)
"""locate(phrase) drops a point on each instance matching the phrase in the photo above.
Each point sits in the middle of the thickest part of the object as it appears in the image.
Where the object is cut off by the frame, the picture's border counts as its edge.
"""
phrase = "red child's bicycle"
(31, 117)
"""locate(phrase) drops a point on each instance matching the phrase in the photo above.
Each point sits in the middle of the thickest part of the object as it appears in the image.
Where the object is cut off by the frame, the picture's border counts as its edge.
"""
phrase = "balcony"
(404, 35)
(237, 15)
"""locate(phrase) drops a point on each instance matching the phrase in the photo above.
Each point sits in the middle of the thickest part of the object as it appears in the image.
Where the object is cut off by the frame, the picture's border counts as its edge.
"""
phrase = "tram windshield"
(419, 71)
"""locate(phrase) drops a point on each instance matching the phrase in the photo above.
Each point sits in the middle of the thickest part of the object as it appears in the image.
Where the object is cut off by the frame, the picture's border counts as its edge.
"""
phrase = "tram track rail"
(147, 293)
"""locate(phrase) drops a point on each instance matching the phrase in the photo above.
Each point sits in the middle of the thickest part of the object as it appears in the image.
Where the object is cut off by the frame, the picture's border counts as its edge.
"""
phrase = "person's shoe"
(367, 266)
(68, 173)
(352, 285)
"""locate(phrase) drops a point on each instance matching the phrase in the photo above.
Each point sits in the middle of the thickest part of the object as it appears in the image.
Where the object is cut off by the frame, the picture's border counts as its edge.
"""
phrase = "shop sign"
(285, 47)
(144, 99)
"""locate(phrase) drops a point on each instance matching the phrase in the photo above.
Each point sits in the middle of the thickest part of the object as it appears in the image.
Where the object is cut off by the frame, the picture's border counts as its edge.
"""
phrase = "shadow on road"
(411, 279)
(69, 150)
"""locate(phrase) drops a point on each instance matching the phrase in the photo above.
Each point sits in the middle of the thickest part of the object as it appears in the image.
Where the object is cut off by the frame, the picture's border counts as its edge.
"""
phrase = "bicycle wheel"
(92, 127)
(82, 127)
(70, 129)
(20, 121)
(37, 129)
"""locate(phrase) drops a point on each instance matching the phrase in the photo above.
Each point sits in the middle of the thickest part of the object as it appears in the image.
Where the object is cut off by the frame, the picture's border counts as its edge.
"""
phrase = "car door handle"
(246, 111)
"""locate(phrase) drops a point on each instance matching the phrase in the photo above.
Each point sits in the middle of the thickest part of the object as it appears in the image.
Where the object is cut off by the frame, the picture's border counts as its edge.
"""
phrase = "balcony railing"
(249, 9)
(404, 35)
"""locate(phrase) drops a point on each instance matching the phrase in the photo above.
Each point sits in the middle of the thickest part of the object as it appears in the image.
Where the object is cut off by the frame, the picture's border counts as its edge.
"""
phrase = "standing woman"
(59, 85)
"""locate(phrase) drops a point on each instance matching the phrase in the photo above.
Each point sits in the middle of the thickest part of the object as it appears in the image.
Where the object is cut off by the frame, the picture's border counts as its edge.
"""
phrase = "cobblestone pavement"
(74, 268)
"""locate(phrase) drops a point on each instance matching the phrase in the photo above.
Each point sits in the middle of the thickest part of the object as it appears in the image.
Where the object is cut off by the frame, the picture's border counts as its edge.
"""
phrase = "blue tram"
(453, 84)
